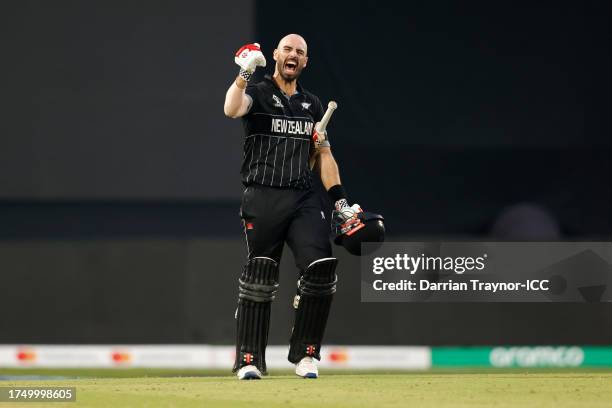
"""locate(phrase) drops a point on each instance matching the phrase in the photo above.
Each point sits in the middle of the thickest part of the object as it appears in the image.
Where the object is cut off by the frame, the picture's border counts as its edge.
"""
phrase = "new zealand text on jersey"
(292, 127)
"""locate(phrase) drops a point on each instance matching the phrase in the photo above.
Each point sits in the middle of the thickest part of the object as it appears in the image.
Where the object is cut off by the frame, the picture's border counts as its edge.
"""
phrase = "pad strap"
(259, 280)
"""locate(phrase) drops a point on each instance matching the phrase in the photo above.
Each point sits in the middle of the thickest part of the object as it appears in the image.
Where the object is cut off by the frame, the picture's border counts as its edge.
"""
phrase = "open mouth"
(290, 66)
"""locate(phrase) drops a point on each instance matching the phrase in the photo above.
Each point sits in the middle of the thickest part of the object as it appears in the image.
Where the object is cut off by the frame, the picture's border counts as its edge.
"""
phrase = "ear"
(275, 54)
(305, 61)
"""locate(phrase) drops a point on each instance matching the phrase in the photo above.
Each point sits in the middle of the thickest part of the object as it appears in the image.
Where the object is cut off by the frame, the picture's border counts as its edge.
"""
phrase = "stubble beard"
(286, 78)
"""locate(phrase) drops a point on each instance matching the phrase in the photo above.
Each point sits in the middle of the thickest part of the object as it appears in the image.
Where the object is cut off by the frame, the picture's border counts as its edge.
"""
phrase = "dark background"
(119, 186)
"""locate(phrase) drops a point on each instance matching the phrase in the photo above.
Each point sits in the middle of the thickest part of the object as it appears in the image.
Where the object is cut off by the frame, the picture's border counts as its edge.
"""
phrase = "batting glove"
(248, 58)
(345, 219)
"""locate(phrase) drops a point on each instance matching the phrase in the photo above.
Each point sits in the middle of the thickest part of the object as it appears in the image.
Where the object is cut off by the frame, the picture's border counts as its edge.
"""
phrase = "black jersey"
(278, 136)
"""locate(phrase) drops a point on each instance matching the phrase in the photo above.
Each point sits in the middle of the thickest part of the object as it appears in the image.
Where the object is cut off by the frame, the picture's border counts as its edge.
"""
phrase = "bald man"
(280, 205)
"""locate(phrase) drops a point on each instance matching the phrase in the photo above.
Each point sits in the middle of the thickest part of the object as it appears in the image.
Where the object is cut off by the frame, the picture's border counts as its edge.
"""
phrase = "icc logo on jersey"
(277, 101)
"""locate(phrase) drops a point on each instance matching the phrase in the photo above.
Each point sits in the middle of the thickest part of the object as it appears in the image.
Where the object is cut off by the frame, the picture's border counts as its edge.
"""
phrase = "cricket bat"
(322, 125)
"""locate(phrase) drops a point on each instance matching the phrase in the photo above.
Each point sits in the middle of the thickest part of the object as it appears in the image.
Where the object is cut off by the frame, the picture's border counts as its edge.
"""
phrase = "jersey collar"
(268, 78)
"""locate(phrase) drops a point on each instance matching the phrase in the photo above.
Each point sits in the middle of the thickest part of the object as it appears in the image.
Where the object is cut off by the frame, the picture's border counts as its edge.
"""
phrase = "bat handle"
(331, 107)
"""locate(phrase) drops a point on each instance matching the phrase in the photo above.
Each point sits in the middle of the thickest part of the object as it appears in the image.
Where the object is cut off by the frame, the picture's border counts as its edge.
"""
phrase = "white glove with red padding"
(248, 58)
(345, 219)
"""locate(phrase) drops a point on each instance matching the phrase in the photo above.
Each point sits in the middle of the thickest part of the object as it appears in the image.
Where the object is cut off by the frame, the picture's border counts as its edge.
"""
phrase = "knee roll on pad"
(319, 279)
(257, 287)
(259, 280)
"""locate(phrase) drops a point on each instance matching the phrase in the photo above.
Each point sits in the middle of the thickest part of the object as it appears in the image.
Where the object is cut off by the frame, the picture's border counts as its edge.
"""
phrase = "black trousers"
(272, 216)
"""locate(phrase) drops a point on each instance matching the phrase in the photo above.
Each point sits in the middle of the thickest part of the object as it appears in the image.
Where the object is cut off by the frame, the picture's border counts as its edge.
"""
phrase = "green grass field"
(457, 388)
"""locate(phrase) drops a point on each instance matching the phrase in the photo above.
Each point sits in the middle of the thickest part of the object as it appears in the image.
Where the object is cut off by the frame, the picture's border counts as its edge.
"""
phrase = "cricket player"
(280, 205)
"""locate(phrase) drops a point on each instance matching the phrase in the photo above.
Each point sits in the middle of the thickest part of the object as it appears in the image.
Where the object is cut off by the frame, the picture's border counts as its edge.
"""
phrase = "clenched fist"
(248, 58)
(319, 137)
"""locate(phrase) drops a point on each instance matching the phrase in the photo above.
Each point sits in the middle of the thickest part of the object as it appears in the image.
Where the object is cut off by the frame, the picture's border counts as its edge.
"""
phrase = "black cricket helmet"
(373, 231)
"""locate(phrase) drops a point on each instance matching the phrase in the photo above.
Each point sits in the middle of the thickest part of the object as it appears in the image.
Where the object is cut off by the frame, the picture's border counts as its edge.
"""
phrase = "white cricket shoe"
(249, 372)
(307, 368)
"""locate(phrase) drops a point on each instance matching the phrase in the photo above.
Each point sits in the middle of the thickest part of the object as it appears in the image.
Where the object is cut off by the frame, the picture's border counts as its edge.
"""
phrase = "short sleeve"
(318, 112)
(252, 91)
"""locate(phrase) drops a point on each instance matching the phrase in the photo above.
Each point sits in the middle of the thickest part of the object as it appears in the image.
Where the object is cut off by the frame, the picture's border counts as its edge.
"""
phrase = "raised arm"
(237, 102)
